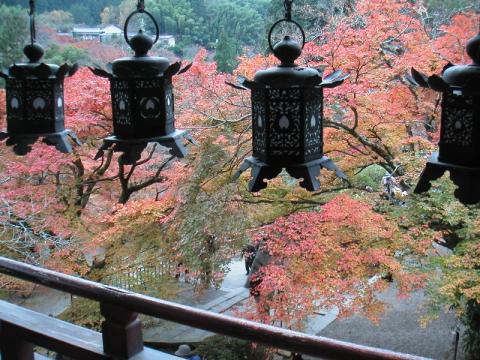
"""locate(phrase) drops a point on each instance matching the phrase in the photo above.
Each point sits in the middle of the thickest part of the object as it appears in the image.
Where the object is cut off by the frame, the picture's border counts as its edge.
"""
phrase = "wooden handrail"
(269, 335)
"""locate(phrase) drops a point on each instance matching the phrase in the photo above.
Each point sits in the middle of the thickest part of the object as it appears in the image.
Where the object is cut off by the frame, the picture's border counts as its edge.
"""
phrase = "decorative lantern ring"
(35, 101)
(288, 19)
(142, 98)
(459, 145)
(145, 41)
(287, 116)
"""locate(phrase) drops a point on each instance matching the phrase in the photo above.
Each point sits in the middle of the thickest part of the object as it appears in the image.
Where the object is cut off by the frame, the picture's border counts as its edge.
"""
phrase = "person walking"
(248, 254)
(185, 351)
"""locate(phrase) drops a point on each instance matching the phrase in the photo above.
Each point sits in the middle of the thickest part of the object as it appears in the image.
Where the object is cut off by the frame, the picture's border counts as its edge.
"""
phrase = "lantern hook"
(288, 9)
(140, 10)
(31, 13)
(288, 18)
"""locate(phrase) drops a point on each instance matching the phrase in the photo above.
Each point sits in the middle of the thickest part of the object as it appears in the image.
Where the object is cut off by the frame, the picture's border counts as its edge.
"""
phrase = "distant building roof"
(87, 30)
(112, 30)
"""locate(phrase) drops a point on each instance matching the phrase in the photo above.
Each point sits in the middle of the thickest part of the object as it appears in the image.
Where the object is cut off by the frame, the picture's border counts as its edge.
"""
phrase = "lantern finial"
(288, 9)
(33, 51)
(141, 43)
(473, 49)
(287, 50)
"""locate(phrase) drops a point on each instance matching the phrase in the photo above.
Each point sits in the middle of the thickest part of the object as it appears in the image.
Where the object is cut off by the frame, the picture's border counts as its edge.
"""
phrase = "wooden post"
(121, 332)
(12, 346)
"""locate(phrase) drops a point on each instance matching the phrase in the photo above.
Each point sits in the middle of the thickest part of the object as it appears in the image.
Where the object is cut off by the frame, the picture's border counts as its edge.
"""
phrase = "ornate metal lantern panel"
(142, 98)
(287, 124)
(287, 116)
(459, 144)
(35, 102)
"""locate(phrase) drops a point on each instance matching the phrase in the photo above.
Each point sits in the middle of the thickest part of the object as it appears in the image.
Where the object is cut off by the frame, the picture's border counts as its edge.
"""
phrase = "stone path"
(46, 301)
(232, 292)
(399, 329)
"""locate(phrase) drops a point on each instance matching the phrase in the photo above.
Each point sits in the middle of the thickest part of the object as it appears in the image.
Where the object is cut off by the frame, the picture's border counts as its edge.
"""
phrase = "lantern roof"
(288, 73)
(465, 75)
(465, 78)
(34, 69)
(141, 64)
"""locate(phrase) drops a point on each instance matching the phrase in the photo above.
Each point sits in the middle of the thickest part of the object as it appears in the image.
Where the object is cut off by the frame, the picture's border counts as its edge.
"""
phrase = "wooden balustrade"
(121, 336)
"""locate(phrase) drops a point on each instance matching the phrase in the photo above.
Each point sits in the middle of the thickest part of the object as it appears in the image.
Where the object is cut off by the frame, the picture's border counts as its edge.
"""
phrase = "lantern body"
(142, 108)
(460, 129)
(287, 125)
(34, 106)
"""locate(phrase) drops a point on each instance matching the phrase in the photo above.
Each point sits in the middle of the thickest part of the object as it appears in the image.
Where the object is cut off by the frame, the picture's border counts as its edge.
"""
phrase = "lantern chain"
(141, 5)
(478, 15)
(288, 9)
(33, 32)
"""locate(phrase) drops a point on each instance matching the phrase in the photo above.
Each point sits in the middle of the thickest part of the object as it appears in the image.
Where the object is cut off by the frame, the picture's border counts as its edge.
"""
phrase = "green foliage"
(86, 11)
(85, 313)
(448, 5)
(68, 54)
(370, 176)
(471, 320)
(209, 227)
(57, 19)
(225, 348)
(226, 53)
(455, 278)
(13, 34)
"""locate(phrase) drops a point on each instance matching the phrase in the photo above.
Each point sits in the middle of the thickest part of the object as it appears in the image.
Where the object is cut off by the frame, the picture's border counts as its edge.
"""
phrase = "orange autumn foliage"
(334, 257)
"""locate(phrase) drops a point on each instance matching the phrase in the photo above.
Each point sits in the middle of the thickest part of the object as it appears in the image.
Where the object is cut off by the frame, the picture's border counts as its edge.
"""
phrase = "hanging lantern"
(35, 103)
(142, 98)
(287, 116)
(459, 146)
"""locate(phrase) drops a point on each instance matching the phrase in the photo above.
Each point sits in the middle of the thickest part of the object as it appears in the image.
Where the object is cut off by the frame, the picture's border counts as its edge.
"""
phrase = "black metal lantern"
(287, 117)
(35, 102)
(459, 146)
(142, 98)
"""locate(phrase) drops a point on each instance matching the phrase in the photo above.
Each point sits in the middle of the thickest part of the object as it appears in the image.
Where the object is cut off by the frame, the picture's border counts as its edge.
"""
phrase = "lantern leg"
(132, 149)
(468, 183)
(433, 171)
(61, 140)
(260, 172)
(176, 147)
(310, 171)
(22, 145)
(466, 179)
(174, 142)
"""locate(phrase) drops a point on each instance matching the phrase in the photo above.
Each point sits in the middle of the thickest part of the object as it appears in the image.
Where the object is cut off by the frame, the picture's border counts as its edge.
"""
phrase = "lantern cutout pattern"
(287, 117)
(142, 98)
(459, 146)
(35, 101)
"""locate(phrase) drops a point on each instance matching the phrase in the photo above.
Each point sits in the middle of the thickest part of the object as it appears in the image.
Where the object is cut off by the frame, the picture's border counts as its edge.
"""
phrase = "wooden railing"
(121, 336)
